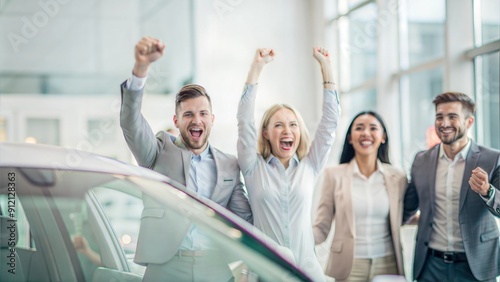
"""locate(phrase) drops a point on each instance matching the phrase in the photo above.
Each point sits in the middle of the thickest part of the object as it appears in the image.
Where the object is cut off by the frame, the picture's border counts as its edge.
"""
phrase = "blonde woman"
(281, 173)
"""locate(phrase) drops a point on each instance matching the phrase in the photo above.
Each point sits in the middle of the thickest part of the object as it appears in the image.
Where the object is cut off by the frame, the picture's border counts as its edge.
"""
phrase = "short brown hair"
(264, 147)
(191, 91)
(448, 97)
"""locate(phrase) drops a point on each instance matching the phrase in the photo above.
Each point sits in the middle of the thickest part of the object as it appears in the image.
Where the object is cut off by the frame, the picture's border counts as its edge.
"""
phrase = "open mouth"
(366, 143)
(286, 145)
(195, 133)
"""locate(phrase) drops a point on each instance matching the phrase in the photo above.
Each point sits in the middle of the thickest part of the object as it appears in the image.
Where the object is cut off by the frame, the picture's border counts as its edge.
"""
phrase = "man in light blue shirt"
(170, 247)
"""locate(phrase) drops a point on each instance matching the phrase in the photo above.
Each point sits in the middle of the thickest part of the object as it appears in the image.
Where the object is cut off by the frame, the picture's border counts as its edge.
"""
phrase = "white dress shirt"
(446, 235)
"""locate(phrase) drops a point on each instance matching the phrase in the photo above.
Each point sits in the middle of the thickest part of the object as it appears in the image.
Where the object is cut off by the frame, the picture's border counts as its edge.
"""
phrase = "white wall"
(229, 32)
(86, 49)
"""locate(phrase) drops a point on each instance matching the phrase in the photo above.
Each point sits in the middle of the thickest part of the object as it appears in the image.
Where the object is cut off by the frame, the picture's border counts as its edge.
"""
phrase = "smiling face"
(366, 136)
(283, 134)
(452, 123)
(194, 120)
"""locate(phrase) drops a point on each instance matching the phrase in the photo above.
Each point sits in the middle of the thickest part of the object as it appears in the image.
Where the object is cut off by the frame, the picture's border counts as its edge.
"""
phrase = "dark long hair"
(383, 150)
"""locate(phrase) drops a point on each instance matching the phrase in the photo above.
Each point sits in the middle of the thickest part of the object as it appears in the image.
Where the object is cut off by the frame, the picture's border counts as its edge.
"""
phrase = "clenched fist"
(264, 56)
(261, 58)
(147, 51)
(321, 55)
(479, 181)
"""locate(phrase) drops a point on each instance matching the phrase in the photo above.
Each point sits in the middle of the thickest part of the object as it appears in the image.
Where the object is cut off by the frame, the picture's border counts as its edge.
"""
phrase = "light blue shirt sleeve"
(489, 201)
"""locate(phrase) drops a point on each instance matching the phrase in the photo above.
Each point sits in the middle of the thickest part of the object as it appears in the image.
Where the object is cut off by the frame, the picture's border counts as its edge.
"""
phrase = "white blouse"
(281, 199)
(370, 204)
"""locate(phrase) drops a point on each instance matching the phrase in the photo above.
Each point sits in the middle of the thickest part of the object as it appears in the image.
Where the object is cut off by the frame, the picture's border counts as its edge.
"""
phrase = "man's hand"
(479, 181)
(147, 51)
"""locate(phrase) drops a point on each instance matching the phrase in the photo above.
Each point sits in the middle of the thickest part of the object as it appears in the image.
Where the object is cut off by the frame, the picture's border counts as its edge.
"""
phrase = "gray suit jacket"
(161, 231)
(477, 219)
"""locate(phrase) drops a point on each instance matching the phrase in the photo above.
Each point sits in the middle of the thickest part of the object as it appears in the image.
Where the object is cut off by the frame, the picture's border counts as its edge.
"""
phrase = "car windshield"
(71, 225)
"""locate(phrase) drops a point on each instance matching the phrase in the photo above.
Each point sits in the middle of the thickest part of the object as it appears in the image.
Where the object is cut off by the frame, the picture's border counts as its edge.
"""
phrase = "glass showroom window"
(487, 26)
(359, 46)
(355, 102)
(486, 65)
(487, 99)
(43, 130)
(422, 48)
(418, 113)
(423, 31)
(101, 136)
(354, 3)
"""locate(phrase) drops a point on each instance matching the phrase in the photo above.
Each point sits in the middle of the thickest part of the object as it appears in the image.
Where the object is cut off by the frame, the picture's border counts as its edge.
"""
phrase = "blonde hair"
(264, 147)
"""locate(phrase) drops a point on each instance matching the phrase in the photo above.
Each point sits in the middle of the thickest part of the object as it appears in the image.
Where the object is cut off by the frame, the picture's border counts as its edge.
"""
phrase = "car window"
(123, 211)
(24, 237)
(59, 233)
(43, 230)
(86, 226)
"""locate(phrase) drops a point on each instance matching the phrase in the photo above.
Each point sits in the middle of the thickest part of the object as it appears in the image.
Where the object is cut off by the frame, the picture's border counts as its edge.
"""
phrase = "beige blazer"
(336, 204)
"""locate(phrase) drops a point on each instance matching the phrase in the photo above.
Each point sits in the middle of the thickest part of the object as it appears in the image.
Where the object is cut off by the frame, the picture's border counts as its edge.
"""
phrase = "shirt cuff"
(492, 196)
(135, 83)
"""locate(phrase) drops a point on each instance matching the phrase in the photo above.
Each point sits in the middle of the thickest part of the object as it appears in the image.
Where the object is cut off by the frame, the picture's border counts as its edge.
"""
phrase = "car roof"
(27, 156)
(53, 157)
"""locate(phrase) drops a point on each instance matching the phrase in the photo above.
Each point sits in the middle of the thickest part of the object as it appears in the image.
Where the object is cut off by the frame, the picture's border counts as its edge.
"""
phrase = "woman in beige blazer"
(364, 196)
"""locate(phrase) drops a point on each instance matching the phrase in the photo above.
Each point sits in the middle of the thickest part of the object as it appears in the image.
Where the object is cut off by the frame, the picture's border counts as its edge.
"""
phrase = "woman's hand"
(321, 55)
(261, 58)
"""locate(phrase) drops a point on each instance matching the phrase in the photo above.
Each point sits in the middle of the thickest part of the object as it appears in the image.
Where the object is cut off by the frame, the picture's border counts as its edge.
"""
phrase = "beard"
(451, 139)
(190, 144)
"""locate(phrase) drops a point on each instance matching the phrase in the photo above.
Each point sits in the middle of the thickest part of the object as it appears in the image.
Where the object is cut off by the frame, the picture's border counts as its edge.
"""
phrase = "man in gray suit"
(455, 185)
(173, 249)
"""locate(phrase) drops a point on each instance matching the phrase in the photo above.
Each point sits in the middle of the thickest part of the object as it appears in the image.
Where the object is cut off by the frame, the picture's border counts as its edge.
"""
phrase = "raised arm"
(247, 134)
(82, 246)
(136, 130)
(325, 134)
(323, 57)
(261, 58)
(147, 51)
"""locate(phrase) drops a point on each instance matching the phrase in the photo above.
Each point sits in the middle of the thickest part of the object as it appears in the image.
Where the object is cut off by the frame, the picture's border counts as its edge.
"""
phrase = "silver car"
(69, 215)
